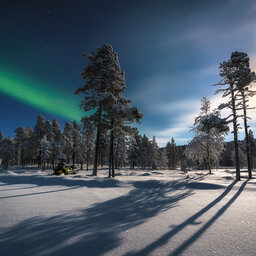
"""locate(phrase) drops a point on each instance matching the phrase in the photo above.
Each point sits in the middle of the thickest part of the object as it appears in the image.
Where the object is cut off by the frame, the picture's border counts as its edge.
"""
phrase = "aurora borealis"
(169, 50)
(41, 97)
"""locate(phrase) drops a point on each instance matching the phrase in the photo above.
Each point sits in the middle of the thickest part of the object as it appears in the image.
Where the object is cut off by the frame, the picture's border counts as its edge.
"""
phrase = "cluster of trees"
(145, 153)
(47, 144)
(227, 157)
(236, 82)
(208, 143)
(208, 149)
(210, 129)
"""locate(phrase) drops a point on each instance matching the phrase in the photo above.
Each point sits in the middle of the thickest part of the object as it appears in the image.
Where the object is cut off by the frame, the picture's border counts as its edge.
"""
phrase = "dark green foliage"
(172, 155)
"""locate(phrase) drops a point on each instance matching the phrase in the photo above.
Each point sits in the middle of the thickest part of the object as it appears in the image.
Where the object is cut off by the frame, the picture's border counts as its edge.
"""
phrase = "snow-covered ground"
(137, 213)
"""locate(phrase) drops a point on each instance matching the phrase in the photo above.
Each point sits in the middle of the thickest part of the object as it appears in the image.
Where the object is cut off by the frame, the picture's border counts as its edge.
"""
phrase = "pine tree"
(67, 141)
(44, 149)
(22, 137)
(121, 115)
(246, 77)
(145, 152)
(76, 141)
(56, 130)
(134, 146)
(49, 130)
(1, 145)
(252, 145)
(226, 155)
(163, 158)
(29, 149)
(230, 71)
(8, 152)
(103, 92)
(172, 155)
(19, 138)
(103, 148)
(168, 150)
(39, 132)
(100, 74)
(208, 142)
(154, 153)
(88, 141)
(55, 146)
(120, 150)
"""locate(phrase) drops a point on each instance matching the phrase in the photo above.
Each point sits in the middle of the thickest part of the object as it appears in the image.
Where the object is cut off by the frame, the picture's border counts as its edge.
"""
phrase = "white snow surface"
(137, 213)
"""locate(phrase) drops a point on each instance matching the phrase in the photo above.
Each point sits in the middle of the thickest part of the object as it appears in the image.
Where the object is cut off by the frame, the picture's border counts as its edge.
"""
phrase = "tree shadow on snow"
(191, 221)
(40, 193)
(8, 189)
(203, 185)
(57, 181)
(96, 230)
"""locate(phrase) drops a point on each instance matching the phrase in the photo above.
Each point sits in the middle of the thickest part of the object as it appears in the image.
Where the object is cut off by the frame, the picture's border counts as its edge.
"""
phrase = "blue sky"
(169, 50)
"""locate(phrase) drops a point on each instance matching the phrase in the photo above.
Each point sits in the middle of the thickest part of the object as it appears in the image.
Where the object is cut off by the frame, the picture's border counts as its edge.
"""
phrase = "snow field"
(137, 213)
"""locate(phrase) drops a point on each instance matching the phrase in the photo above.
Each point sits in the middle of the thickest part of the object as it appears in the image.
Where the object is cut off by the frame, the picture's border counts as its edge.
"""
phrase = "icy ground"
(137, 213)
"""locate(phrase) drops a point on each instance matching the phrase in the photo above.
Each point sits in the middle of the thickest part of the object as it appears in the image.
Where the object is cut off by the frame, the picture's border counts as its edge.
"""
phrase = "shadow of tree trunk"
(166, 237)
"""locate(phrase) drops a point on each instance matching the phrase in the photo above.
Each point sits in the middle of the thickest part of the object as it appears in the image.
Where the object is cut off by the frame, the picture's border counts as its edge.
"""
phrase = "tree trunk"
(53, 160)
(248, 151)
(39, 158)
(95, 167)
(208, 157)
(73, 159)
(111, 152)
(22, 155)
(109, 161)
(112, 149)
(235, 132)
(87, 162)
(87, 153)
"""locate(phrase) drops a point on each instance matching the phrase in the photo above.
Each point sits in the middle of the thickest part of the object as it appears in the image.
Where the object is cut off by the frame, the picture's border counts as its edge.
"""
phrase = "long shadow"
(243, 173)
(57, 181)
(200, 177)
(8, 189)
(203, 185)
(194, 237)
(40, 193)
(96, 230)
(190, 221)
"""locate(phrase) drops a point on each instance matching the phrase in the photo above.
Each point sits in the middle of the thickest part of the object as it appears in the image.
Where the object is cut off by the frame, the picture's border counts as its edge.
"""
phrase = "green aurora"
(41, 96)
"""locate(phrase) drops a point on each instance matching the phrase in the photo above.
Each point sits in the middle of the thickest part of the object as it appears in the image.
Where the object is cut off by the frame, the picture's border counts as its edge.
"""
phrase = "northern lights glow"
(170, 54)
(41, 96)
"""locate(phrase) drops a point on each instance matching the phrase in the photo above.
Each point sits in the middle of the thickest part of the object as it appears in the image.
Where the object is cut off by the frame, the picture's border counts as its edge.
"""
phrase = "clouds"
(161, 90)
(179, 114)
(195, 49)
(179, 129)
(219, 24)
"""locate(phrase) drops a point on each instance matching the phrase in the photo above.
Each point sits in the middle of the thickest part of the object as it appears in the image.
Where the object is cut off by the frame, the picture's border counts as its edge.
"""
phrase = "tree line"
(47, 144)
